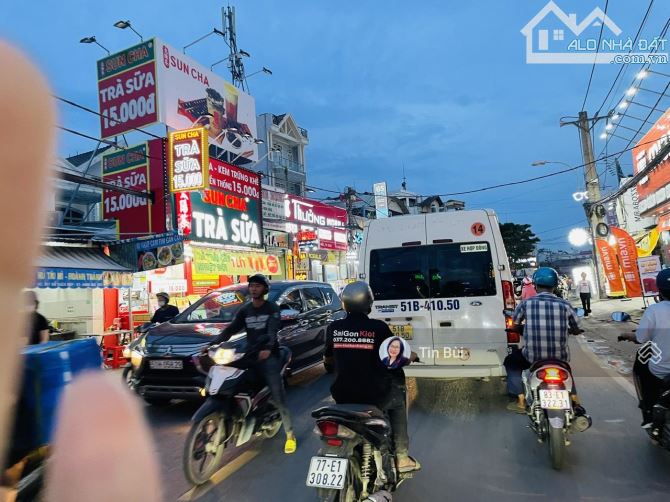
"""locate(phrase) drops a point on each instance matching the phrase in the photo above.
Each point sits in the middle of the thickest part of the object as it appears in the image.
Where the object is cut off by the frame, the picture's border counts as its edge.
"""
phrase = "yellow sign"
(647, 244)
(220, 262)
(188, 160)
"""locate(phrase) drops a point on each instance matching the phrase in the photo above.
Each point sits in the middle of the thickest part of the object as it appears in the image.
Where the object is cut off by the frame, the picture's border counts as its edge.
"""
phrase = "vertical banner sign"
(188, 160)
(649, 268)
(127, 168)
(627, 252)
(127, 90)
(183, 210)
(611, 267)
(381, 200)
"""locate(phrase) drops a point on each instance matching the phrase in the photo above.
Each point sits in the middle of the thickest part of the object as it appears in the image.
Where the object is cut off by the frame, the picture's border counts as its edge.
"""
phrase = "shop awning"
(78, 267)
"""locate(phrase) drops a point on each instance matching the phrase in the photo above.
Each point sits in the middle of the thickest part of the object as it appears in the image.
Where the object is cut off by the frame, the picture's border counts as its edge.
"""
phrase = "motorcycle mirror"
(580, 312)
(620, 317)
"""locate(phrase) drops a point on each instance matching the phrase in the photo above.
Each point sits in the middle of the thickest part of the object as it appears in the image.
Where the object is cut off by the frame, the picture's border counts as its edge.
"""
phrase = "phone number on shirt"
(416, 305)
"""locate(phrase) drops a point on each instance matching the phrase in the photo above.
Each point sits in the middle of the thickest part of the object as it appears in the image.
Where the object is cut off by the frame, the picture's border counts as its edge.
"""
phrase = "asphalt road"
(470, 447)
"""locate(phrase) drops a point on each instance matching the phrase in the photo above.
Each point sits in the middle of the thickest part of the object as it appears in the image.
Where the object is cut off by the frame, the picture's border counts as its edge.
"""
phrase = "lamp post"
(92, 40)
(229, 58)
(122, 25)
(265, 70)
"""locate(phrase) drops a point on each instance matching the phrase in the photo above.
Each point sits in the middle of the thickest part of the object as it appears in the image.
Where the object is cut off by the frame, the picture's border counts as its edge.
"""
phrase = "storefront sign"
(159, 252)
(81, 278)
(273, 210)
(647, 244)
(649, 268)
(217, 261)
(274, 239)
(168, 286)
(188, 160)
(381, 199)
(627, 253)
(645, 153)
(127, 90)
(228, 178)
(611, 267)
(135, 168)
(225, 219)
(329, 222)
(183, 211)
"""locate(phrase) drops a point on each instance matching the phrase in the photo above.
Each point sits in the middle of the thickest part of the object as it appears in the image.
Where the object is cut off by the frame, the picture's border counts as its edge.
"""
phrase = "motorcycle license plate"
(166, 365)
(554, 399)
(405, 331)
(327, 472)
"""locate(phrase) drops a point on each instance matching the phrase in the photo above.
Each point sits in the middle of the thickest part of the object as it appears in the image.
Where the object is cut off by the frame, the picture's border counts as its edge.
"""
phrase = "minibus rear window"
(454, 270)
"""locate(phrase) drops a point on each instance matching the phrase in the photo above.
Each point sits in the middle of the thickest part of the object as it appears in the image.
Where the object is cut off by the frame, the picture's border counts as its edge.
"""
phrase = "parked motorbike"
(357, 460)
(128, 376)
(659, 432)
(237, 408)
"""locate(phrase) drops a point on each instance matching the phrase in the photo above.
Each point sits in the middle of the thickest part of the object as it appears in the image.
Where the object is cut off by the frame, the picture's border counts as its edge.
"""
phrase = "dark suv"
(163, 366)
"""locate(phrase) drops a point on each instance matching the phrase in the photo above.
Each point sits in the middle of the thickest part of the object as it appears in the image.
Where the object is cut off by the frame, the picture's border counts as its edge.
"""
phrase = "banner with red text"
(611, 267)
(627, 253)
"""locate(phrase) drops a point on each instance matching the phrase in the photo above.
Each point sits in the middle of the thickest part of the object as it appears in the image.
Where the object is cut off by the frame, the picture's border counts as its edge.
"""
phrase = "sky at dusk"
(439, 87)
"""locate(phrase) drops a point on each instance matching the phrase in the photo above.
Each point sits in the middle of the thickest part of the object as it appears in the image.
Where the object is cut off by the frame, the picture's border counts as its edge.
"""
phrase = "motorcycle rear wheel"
(557, 447)
(350, 492)
(198, 463)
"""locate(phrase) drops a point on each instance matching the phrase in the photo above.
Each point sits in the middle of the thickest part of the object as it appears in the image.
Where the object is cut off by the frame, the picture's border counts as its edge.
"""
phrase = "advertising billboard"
(188, 160)
(381, 199)
(127, 90)
(153, 82)
(644, 153)
(137, 168)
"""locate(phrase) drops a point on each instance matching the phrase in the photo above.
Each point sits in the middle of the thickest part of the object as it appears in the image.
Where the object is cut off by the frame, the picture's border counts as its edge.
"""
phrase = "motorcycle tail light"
(328, 428)
(552, 375)
(332, 432)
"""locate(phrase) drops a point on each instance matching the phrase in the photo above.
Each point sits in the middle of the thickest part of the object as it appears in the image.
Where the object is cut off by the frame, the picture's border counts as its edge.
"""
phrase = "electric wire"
(593, 67)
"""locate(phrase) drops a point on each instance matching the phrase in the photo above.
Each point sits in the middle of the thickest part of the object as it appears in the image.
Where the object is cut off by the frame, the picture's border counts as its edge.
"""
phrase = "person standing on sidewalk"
(584, 288)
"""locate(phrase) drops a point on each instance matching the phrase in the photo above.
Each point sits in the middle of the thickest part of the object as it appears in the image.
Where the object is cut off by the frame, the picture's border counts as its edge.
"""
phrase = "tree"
(519, 241)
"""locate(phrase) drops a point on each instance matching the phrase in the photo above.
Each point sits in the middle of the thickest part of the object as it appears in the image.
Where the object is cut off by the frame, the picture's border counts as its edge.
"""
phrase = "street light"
(578, 237)
(265, 70)
(229, 58)
(545, 162)
(213, 32)
(122, 25)
(92, 40)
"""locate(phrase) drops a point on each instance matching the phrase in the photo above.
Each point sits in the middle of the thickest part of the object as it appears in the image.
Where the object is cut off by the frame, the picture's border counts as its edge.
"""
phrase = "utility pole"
(235, 64)
(349, 199)
(585, 124)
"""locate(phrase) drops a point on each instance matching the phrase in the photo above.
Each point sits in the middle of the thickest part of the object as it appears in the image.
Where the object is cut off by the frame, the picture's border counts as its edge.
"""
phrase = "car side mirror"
(620, 317)
(289, 315)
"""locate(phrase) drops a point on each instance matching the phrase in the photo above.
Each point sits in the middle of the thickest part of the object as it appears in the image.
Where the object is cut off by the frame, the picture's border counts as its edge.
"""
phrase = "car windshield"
(218, 306)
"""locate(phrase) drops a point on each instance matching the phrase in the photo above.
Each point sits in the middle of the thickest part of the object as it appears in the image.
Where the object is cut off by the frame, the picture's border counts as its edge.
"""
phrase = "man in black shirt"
(39, 327)
(261, 320)
(352, 347)
(165, 311)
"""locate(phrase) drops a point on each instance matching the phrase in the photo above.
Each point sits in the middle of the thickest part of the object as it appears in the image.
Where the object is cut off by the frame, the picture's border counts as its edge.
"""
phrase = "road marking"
(221, 475)
(623, 382)
(614, 421)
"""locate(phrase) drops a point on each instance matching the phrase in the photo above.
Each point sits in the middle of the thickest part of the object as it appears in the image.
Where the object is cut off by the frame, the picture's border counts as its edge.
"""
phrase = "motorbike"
(237, 408)
(549, 406)
(357, 460)
(128, 375)
(659, 432)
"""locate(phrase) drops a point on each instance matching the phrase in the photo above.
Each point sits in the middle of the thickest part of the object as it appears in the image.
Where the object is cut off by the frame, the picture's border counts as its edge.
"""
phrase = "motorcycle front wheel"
(557, 447)
(204, 448)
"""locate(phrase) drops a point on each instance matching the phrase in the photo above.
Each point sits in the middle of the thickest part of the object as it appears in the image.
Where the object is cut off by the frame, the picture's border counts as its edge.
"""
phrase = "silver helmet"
(357, 297)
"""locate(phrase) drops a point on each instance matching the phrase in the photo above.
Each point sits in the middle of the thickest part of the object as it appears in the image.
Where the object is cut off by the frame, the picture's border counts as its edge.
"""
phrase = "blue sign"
(81, 278)
(157, 242)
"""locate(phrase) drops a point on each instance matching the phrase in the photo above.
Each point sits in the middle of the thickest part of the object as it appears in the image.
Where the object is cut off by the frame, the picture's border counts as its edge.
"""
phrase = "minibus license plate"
(405, 331)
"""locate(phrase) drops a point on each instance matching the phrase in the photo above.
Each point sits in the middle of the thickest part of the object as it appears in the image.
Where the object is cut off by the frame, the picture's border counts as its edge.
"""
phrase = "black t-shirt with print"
(360, 376)
(261, 325)
(39, 324)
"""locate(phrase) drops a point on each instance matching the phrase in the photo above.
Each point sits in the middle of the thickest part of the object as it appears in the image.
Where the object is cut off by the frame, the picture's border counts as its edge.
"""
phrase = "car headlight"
(224, 356)
(136, 358)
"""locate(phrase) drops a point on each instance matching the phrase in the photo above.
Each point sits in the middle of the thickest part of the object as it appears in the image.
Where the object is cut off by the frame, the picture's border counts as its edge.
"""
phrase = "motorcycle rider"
(261, 320)
(352, 348)
(165, 311)
(653, 329)
(548, 322)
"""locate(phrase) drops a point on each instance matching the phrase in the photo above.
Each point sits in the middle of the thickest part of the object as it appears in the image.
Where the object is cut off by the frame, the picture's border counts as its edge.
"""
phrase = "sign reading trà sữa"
(188, 160)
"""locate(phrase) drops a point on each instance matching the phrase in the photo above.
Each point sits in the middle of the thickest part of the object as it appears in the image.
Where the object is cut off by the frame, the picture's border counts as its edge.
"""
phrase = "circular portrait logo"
(395, 352)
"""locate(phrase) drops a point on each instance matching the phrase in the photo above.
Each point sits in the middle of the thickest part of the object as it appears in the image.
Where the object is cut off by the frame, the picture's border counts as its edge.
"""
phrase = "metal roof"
(77, 257)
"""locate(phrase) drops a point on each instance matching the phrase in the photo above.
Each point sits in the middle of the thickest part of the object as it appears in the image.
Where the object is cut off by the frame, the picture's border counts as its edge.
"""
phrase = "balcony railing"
(292, 165)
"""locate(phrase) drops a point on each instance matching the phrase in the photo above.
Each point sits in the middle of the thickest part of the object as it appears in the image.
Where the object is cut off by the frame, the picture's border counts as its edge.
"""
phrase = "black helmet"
(663, 282)
(260, 279)
(357, 297)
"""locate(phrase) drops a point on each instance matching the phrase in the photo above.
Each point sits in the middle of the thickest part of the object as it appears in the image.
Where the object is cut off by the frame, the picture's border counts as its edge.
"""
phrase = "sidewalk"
(601, 332)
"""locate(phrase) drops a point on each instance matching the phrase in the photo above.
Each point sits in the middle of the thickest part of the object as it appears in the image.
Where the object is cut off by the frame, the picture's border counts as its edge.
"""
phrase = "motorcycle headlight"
(224, 356)
(136, 358)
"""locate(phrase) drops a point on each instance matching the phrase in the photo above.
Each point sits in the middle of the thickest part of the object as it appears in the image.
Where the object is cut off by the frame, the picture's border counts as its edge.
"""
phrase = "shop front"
(79, 288)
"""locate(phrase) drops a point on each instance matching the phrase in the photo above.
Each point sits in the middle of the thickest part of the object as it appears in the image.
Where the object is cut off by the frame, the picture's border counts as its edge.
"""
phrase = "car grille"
(177, 350)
